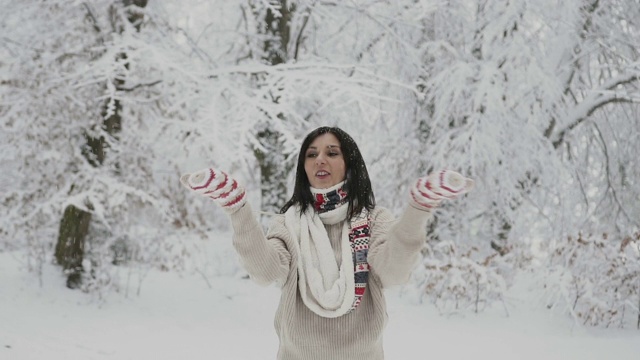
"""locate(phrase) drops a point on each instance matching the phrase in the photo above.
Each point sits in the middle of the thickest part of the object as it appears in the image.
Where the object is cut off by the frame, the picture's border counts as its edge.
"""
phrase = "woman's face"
(324, 163)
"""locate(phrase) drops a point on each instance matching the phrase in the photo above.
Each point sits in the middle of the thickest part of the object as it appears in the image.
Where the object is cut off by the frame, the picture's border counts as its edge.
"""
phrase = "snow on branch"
(598, 98)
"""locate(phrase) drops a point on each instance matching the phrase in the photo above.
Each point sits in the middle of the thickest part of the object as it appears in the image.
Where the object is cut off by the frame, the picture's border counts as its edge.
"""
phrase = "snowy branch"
(598, 98)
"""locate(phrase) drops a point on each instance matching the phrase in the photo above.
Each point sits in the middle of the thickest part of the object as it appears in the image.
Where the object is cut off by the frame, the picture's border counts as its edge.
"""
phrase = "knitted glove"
(429, 191)
(217, 185)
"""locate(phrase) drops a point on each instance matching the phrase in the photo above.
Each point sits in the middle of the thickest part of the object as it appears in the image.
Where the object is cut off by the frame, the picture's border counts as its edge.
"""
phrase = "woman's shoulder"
(380, 210)
(277, 226)
(381, 213)
(276, 219)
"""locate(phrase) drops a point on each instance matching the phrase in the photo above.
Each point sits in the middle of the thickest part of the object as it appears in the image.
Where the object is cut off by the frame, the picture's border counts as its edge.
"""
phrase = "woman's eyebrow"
(329, 146)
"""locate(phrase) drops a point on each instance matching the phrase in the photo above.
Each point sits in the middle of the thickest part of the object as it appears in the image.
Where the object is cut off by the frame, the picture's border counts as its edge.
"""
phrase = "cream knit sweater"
(393, 250)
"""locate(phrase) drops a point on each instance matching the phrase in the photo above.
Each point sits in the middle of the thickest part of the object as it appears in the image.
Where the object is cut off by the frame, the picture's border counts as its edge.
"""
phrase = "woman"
(332, 250)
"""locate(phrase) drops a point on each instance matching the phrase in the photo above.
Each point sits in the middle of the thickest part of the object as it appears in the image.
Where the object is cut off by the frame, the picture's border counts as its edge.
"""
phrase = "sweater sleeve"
(266, 258)
(395, 245)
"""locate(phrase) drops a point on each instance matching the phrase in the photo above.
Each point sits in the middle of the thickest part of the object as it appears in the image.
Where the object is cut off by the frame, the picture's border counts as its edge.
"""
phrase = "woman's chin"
(321, 185)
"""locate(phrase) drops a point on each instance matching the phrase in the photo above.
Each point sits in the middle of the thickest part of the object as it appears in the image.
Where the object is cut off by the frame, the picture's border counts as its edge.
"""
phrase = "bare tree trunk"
(69, 251)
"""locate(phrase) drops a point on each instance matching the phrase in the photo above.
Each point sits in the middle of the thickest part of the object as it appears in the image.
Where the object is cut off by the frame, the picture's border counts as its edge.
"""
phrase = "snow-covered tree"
(81, 95)
(535, 100)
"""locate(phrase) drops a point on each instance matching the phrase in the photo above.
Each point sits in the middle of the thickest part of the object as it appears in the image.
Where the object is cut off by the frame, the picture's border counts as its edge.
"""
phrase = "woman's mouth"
(322, 174)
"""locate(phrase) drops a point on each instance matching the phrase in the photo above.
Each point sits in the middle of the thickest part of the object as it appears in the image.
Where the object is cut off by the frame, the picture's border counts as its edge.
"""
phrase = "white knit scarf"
(326, 288)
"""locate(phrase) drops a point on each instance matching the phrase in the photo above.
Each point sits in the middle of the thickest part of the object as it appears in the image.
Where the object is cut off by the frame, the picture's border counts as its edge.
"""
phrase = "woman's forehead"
(327, 139)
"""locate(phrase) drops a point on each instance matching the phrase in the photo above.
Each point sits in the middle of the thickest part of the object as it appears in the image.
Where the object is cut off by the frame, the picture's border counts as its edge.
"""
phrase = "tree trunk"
(74, 225)
(273, 170)
(271, 160)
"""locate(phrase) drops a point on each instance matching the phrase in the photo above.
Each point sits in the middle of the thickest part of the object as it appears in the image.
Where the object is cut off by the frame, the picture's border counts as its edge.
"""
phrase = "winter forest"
(105, 103)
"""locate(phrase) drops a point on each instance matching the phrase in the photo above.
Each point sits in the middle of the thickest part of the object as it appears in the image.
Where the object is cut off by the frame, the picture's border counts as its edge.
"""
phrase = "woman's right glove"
(217, 185)
(429, 191)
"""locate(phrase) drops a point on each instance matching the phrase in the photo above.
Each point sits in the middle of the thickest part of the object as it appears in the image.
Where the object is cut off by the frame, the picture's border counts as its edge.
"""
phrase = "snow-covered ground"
(183, 317)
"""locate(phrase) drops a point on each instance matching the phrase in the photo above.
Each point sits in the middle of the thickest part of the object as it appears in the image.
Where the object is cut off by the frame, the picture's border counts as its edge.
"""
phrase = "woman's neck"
(329, 199)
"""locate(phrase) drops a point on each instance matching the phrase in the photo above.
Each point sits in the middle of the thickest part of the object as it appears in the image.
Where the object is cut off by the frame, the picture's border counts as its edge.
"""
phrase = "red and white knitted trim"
(430, 190)
(218, 186)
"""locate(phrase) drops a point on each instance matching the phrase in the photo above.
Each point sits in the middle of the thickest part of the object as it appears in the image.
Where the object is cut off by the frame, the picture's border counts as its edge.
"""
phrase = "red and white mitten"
(430, 190)
(217, 185)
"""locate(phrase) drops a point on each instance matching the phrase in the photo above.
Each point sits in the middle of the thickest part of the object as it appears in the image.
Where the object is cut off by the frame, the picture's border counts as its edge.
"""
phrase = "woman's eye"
(332, 154)
(312, 155)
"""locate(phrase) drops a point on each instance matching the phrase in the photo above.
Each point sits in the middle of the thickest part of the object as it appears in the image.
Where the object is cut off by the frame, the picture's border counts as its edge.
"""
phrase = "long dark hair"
(357, 184)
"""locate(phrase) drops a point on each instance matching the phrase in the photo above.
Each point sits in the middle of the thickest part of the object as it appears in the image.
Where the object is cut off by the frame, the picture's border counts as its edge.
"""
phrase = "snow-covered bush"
(596, 279)
(456, 278)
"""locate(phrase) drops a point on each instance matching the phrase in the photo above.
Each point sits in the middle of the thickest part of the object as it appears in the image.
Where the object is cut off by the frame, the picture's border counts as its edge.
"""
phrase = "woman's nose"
(320, 159)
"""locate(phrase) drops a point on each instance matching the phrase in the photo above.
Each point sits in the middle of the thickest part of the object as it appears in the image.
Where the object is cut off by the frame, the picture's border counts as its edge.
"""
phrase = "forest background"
(104, 103)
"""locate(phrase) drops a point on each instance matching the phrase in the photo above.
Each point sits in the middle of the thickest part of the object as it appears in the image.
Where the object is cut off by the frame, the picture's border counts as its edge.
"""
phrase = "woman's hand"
(429, 191)
(217, 185)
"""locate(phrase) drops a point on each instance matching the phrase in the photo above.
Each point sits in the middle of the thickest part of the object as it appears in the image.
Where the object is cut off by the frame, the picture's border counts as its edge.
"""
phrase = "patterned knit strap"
(217, 185)
(359, 237)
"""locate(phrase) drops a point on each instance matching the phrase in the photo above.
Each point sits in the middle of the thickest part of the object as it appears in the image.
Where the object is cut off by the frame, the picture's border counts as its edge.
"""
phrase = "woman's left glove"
(429, 191)
(216, 185)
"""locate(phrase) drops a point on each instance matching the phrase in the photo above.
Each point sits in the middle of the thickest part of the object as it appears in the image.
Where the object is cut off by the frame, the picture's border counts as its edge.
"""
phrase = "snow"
(511, 93)
(182, 316)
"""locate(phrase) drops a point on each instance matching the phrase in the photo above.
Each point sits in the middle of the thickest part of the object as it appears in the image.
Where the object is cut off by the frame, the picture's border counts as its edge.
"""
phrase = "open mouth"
(322, 174)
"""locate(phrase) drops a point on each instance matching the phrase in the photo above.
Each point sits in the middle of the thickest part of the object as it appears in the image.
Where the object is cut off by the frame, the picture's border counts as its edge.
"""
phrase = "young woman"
(332, 250)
